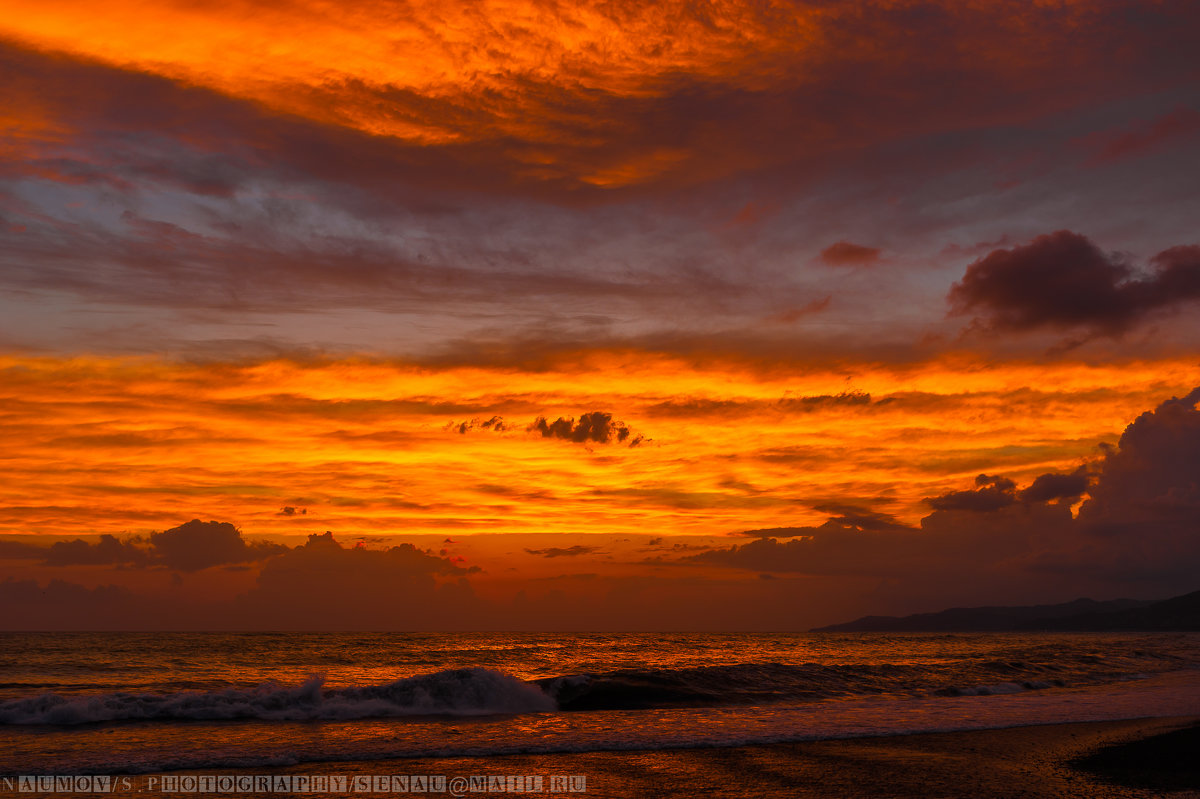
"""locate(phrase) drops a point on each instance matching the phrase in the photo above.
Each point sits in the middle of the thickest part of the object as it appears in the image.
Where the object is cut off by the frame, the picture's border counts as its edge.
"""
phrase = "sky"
(528, 314)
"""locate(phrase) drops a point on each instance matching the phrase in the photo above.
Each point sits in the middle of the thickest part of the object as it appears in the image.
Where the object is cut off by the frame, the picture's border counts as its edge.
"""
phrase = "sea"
(140, 704)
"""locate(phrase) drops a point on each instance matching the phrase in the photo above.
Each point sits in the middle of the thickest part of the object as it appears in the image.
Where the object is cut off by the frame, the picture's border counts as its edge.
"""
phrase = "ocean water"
(149, 703)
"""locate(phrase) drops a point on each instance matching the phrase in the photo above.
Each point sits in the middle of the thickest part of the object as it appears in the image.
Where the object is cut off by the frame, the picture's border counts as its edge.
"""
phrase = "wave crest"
(457, 692)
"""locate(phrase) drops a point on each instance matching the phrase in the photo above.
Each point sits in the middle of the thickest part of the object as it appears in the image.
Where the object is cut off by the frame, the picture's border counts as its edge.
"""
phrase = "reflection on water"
(89, 703)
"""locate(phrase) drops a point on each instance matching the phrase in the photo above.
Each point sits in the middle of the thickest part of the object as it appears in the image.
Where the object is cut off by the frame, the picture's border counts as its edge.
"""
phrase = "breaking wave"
(481, 691)
(458, 692)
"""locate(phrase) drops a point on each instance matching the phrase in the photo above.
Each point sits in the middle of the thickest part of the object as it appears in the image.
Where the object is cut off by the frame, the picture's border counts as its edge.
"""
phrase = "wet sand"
(1166, 762)
(1017, 762)
(1132, 758)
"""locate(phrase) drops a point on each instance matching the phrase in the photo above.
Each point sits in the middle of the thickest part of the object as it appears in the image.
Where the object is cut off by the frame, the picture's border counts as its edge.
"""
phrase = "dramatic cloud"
(364, 447)
(1049, 487)
(21, 550)
(952, 552)
(198, 545)
(495, 423)
(596, 427)
(860, 518)
(108, 551)
(1135, 534)
(991, 493)
(323, 585)
(1063, 280)
(628, 94)
(1146, 497)
(1138, 530)
(309, 270)
(275, 186)
(189, 547)
(846, 519)
(844, 253)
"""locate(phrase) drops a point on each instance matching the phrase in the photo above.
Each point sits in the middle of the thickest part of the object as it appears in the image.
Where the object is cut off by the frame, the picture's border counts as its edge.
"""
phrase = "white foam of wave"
(458, 692)
(133, 749)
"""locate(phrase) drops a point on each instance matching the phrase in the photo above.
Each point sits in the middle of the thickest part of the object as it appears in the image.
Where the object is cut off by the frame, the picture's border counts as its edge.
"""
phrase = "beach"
(731, 715)
(1128, 758)
(1030, 761)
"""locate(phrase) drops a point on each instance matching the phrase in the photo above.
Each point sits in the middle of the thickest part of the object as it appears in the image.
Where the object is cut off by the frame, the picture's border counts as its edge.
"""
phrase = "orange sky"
(537, 78)
(892, 283)
(374, 447)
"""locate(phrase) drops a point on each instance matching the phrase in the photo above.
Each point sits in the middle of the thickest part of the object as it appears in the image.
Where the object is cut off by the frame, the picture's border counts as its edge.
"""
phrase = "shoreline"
(1032, 761)
(1120, 759)
(1035, 761)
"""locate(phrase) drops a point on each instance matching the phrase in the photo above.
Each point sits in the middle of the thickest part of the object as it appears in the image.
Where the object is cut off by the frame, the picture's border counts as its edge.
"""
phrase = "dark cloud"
(1062, 280)
(20, 550)
(846, 518)
(1140, 525)
(292, 510)
(318, 586)
(495, 423)
(189, 547)
(806, 555)
(861, 518)
(108, 551)
(596, 426)
(952, 550)
(134, 133)
(1137, 533)
(323, 585)
(198, 545)
(563, 552)
(126, 135)
(849, 87)
(824, 401)
(1049, 487)
(991, 493)
(844, 253)
(1148, 487)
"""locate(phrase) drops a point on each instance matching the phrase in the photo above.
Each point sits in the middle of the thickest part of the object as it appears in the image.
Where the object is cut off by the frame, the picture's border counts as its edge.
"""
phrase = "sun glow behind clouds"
(104, 445)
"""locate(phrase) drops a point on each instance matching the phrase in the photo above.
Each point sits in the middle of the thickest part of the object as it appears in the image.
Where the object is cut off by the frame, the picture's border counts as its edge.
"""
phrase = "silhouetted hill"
(1177, 613)
(1076, 615)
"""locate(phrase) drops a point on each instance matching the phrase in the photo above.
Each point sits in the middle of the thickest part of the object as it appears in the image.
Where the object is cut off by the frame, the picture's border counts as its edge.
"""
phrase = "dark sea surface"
(124, 703)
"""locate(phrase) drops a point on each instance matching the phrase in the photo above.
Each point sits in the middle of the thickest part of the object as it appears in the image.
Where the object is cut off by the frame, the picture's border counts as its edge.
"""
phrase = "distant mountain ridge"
(1178, 613)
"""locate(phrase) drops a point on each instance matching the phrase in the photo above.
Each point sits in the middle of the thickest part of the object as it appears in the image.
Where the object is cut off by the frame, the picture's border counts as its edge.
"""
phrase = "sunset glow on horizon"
(842, 306)
(388, 448)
